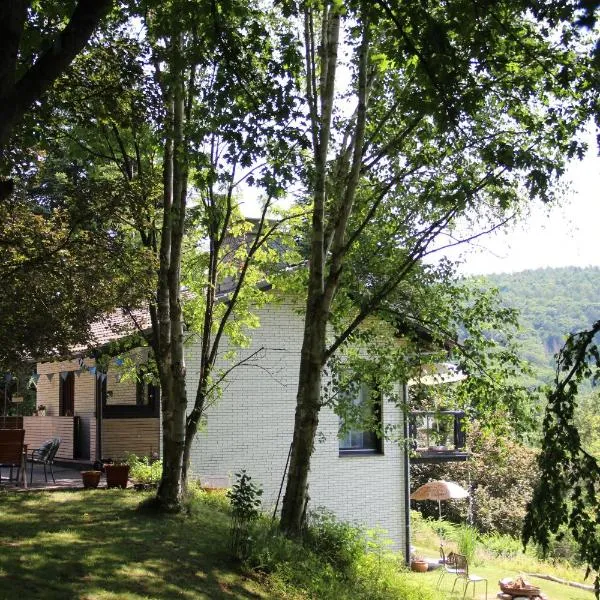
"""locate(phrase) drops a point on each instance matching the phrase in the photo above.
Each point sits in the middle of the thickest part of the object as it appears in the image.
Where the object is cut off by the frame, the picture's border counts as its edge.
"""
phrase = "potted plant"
(117, 474)
(41, 410)
(91, 479)
(419, 564)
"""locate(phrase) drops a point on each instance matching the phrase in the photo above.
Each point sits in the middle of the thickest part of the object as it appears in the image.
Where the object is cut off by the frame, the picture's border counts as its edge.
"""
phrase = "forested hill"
(552, 303)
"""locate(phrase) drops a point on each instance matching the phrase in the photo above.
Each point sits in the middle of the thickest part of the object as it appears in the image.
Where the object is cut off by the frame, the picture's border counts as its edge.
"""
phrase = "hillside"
(552, 303)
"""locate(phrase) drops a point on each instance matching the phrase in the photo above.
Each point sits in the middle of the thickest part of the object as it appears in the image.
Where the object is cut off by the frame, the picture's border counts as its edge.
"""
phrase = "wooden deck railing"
(39, 429)
(11, 422)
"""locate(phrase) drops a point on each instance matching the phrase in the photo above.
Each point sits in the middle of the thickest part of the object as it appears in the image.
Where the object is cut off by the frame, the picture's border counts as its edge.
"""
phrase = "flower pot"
(419, 566)
(91, 479)
(41, 412)
(116, 475)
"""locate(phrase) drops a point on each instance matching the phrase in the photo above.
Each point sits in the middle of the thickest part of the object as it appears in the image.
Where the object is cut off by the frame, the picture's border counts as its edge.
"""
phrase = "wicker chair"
(44, 455)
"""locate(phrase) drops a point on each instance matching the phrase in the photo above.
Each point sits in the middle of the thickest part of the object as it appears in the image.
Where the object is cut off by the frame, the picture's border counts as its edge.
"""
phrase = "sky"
(557, 236)
(562, 235)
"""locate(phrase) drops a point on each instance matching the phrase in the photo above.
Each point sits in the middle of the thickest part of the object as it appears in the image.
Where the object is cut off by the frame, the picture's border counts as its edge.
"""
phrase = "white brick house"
(251, 427)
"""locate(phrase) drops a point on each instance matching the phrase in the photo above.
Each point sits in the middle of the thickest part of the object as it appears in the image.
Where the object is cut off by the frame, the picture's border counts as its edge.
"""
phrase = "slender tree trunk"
(308, 403)
(172, 368)
(328, 245)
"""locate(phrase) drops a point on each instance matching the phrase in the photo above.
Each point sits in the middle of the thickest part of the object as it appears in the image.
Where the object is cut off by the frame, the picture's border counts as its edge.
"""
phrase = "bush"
(332, 563)
(466, 538)
(245, 508)
(504, 546)
(340, 544)
(144, 470)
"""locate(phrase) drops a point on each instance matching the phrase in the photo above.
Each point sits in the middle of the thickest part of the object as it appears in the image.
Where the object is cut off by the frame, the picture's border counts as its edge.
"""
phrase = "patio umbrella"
(439, 490)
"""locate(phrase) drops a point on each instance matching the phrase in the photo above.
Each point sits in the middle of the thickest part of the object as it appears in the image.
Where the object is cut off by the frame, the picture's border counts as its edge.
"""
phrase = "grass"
(495, 568)
(96, 545)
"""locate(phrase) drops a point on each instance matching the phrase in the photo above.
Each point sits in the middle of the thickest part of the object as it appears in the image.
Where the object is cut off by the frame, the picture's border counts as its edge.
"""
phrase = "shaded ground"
(66, 477)
(94, 544)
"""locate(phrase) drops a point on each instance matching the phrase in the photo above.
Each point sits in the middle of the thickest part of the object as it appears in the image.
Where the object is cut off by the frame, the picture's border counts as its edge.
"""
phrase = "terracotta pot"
(116, 475)
(420, 566)
(91, 479)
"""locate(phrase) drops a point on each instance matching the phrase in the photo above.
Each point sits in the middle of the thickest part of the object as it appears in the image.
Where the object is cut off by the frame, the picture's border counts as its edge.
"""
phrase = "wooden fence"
(11, 422)
(39, 429)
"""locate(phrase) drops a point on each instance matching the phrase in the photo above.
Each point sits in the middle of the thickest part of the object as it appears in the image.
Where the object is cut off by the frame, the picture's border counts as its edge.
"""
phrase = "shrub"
(505, 546)
(466, 539)
(339, 543)
(245, 504)
(144, 470)
(306, 569)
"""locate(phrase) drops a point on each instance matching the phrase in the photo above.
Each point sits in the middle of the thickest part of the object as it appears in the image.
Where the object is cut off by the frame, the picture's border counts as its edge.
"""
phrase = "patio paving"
(66, 478)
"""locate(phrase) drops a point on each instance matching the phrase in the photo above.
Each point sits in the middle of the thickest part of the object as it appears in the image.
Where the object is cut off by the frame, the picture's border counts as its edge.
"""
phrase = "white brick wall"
(251, 427)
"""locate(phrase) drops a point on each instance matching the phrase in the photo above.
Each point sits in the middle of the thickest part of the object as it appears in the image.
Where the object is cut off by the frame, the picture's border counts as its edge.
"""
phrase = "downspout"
(406, 477)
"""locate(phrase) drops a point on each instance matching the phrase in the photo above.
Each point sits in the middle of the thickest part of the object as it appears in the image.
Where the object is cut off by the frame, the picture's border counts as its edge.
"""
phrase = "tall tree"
(568, 490)
(419, 114)
(37, 46)
(196, 100)
(226, 106)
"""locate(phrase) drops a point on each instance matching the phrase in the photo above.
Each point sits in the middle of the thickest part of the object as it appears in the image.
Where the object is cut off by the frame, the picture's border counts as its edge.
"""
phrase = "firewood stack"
(519, 589)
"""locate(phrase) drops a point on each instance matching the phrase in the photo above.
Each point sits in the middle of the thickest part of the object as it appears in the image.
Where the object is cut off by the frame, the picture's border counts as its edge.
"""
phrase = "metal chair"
(44, 455)
(448, 565)
(11, 449)
(462, 572)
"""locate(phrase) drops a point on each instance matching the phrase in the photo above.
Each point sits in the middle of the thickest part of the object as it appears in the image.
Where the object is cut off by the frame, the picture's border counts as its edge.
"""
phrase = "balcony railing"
(437, 436)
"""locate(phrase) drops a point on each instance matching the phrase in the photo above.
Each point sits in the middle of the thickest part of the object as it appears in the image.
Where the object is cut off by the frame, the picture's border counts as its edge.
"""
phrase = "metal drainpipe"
(406, 477)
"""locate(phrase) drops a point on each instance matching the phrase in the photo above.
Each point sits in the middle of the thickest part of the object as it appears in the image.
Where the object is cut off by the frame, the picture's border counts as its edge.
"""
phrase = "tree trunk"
(172, 368)
(308, 400)
(308, 404)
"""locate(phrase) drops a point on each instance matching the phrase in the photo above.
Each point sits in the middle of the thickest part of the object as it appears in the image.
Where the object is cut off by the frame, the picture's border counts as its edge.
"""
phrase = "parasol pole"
(440, 509)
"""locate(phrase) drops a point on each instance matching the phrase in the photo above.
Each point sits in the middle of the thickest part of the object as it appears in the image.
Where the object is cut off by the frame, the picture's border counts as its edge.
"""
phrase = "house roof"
(117, 325)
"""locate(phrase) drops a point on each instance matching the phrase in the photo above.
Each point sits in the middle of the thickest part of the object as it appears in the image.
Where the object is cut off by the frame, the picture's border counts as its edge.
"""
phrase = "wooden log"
(581, 586)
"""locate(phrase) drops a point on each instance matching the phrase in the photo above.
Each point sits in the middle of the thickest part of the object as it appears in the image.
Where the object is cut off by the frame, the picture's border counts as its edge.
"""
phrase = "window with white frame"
(360, 430)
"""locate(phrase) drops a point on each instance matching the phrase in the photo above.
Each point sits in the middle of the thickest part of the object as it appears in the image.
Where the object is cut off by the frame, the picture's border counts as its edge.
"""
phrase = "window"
(66, 394)
(363, 434)
(134, 400)
(146, 394)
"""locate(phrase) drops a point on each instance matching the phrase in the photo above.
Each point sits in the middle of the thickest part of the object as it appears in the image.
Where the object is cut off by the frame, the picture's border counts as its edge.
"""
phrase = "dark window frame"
(151, 410)
(374, 445)
(66, 395)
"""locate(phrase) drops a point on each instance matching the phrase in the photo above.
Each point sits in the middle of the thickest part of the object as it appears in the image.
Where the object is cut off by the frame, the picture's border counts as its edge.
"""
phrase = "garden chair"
(462, 572)
(447, 561)
(44, 455)
(11, 449)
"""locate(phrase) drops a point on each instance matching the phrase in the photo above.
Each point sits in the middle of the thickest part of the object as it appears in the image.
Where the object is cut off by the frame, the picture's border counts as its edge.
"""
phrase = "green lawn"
(494, 569)
(94, 545)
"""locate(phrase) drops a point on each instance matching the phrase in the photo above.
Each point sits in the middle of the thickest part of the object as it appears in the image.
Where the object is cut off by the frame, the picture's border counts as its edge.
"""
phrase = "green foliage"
(467, 538)
(501, 474)
(347, 564)
(568, 491)
(502, 545)
(551, 304)
(244, 497)
(144, 469)
(339, 543)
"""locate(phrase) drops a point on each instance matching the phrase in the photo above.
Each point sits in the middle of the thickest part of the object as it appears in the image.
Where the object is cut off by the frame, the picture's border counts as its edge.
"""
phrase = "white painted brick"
(251, 428)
